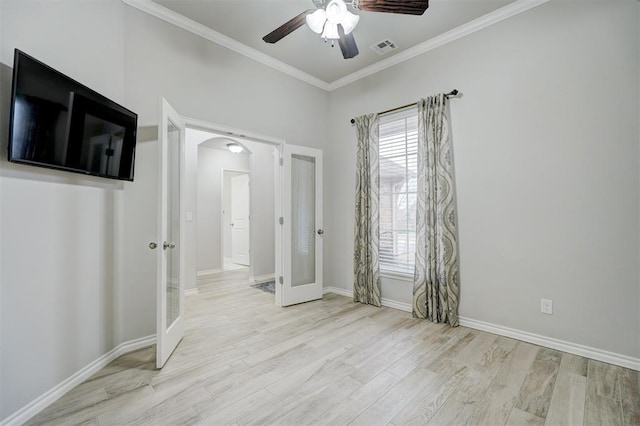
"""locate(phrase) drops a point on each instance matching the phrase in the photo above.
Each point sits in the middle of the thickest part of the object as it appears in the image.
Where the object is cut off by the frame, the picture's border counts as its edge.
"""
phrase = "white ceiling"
(304, 52)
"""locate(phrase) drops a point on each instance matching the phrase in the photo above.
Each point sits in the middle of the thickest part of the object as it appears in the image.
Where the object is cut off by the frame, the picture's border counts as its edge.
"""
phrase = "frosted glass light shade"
(349, 22)
(316, 20)
(336, 9)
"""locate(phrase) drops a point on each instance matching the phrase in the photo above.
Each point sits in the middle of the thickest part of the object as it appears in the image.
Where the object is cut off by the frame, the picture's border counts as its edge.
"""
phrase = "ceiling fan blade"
(412, 7)
(287, 28)
(347, 44)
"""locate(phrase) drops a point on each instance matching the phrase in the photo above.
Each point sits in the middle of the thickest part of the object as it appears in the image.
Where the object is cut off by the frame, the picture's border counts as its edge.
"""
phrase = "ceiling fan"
(333, 21)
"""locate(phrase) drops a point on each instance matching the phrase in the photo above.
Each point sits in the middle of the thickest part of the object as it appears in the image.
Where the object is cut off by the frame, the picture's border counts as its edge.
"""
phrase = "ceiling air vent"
(383, 47)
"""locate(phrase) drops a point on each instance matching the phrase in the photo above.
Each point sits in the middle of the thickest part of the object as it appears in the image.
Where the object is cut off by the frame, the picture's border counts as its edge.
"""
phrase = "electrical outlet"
(546, 306)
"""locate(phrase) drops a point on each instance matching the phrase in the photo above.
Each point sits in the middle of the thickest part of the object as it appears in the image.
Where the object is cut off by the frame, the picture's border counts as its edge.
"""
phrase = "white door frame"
(168, 336)
(278, 143)
(223, 225)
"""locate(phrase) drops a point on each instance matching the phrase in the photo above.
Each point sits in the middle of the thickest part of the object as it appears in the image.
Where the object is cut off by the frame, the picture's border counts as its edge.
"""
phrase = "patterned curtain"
(366, 267)
(436, 288)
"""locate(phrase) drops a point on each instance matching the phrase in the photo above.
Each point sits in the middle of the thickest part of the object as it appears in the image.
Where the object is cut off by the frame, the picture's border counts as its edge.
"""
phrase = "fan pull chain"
(332, 42)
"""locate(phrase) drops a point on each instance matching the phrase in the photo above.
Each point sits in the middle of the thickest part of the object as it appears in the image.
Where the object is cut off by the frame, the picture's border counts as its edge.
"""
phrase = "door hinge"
(282, 161)
(281, 220)
(281, 279)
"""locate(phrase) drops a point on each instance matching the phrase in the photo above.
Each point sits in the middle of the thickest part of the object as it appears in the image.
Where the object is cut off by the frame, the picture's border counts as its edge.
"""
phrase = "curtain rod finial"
(353, 121)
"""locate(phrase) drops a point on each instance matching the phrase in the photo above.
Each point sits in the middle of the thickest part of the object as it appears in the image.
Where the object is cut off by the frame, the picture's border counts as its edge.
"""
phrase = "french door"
(301, 221)
(298, 237)
(170, 260)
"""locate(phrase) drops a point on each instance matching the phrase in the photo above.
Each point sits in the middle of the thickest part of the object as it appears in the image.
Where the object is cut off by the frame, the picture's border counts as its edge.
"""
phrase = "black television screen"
(59, 123)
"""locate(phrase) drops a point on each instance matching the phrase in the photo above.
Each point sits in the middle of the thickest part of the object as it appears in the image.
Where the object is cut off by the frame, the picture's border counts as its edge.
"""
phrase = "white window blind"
(398, 180)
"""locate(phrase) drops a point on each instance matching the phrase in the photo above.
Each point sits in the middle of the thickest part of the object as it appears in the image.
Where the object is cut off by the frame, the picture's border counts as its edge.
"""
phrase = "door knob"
(320, 231)
(167, 245)
(152, 246)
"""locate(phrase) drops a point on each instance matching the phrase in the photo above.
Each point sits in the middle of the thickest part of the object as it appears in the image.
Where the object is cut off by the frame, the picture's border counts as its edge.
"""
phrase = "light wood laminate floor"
(245, 361)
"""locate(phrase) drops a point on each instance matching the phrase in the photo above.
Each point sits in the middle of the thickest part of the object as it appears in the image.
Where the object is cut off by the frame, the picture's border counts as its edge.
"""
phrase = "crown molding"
(470, 27)
(499, 15)
(207, 33)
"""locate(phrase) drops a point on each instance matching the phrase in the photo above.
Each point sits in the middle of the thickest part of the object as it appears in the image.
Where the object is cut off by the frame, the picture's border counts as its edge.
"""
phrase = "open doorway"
(234, 205)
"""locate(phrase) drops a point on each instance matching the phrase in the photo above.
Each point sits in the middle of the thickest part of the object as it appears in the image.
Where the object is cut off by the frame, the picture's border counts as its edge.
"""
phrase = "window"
(398, 185)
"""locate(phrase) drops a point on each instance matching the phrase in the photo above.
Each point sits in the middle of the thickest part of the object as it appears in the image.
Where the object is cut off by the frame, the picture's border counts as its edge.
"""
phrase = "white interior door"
(171, 271)
(301, 226)
(240, 223)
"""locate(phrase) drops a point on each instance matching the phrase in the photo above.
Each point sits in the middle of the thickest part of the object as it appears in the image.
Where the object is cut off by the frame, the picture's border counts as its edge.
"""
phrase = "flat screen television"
(59, 123)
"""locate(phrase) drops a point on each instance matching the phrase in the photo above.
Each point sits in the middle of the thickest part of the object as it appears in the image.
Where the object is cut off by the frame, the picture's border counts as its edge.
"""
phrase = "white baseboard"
(43, 401)
(190, 291)
(262, 278)
(208, 272)
(550, 342)
(406, 307)
(337, 290)
(385, 302)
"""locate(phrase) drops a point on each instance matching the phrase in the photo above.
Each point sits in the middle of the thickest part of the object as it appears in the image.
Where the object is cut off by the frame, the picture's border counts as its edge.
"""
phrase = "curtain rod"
(451, 93)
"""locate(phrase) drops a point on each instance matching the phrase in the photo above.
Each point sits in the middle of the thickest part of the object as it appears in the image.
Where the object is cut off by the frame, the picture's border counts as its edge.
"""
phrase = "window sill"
(396, 276)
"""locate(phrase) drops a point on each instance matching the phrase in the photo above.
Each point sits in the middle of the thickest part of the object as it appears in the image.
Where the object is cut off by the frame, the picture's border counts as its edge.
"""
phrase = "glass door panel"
(173, 224)
(303, 220)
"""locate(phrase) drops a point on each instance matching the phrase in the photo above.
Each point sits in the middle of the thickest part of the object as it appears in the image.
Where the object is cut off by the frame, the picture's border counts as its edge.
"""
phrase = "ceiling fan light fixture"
(333, 20)
(234, 147)
(316, 20)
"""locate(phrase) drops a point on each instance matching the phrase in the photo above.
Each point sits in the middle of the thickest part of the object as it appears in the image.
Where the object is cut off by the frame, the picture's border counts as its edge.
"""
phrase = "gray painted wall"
(61, 232)
(262, 167)
(546, 149)
(546, 154)
(86, 257)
